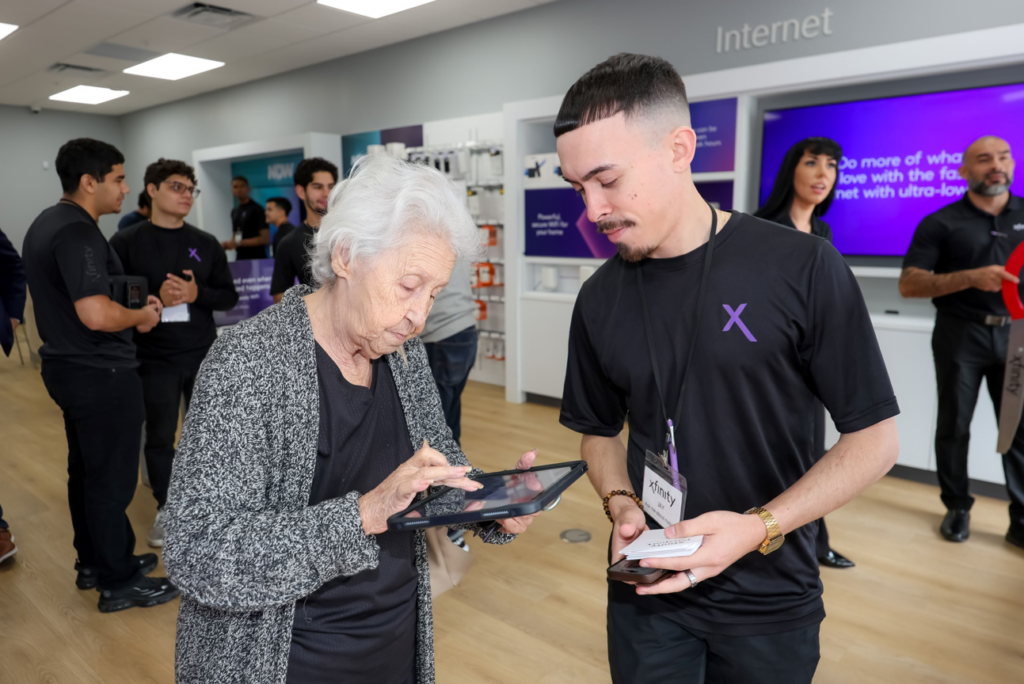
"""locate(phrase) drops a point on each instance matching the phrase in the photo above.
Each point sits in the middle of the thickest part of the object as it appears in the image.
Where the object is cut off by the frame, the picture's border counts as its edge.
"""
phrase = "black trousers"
(648, 646)
(103, 421)
(965, 354)
(163, 389)
(451, 360)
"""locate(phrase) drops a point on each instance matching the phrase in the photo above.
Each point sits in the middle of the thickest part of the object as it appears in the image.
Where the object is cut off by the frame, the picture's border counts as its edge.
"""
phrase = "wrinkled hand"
(990, 278)
(519, 525)
(727, 538)
(153, 308)
(425, 469)
(181, 291)
(629, 524)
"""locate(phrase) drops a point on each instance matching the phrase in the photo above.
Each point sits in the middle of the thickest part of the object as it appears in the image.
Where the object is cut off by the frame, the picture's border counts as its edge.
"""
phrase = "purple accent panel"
(557, 225)
(412, 136)
(252, 281)
(734, 317)
(717, 191)
(901, 156)
(715, 124)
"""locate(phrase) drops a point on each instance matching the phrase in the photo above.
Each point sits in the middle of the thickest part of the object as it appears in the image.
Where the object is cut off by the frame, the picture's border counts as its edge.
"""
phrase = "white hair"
(382, 204)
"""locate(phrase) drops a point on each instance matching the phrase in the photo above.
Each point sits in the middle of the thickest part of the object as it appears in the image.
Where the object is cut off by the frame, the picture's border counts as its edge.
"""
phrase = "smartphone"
(630, 571)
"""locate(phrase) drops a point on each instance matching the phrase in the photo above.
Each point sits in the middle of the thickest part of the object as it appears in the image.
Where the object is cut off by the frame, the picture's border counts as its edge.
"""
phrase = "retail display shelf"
(876, 271)
(492, 334)
(562, 297)
(562, 261)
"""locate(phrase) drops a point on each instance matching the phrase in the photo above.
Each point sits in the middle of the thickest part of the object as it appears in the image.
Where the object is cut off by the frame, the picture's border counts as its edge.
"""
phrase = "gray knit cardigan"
(242, 541)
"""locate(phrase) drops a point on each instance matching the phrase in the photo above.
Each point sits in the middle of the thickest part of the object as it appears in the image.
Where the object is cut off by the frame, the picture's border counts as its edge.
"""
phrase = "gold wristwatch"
(775, 537)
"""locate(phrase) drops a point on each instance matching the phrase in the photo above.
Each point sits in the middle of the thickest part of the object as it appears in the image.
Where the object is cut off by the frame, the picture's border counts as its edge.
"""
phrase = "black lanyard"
(696, 328)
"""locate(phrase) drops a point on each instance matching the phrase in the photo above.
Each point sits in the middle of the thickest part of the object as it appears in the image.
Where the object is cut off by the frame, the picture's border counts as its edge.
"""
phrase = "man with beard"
(956, 258)
(314, 179)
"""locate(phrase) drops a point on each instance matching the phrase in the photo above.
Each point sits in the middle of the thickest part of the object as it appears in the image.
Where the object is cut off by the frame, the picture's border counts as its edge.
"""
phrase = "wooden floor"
(915, 609)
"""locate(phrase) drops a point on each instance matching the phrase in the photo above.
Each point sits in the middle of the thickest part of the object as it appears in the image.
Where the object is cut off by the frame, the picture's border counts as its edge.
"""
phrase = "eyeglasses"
(181, 188)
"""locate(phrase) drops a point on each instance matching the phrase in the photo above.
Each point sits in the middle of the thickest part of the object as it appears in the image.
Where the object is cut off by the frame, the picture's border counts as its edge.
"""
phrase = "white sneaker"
(156, 535)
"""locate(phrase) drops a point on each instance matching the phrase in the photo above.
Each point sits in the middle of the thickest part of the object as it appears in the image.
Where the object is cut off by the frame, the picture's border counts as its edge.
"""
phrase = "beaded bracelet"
(620, 492)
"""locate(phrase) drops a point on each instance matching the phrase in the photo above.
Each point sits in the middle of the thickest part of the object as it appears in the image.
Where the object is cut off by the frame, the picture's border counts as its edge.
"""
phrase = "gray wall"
(26, 141)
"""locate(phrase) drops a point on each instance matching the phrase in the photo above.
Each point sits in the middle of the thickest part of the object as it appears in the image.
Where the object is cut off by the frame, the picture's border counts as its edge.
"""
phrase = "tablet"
(508, 494)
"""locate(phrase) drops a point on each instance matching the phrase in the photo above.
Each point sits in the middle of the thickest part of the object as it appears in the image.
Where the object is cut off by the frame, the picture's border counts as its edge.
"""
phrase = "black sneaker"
(146, 593)
(88, 577)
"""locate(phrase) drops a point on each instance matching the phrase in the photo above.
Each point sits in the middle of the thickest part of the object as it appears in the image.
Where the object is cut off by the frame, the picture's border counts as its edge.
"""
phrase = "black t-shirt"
(153, 252)
(959, 237)
(249, 219)
(291, 260)
(359, 629)
(746, 432)
(282, 231)
(67, 259)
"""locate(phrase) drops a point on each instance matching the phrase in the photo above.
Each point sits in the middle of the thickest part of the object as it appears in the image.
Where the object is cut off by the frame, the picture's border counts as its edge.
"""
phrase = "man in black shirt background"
(779, 321)
(89, 369)
(277, 212)
(189, 269)
(314, 179)
(957, 258)
(249, 232)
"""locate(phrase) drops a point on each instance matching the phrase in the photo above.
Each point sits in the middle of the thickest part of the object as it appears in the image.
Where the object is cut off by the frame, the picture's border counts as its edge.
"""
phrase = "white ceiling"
(284, 35)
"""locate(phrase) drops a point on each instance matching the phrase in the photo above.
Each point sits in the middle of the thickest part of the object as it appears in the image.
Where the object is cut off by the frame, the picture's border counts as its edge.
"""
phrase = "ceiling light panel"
(375, 9)
(172, 67)
(90, 95)
(6, 30)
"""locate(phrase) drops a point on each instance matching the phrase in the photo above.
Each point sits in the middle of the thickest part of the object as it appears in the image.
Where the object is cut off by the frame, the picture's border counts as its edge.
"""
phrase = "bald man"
(956, 258)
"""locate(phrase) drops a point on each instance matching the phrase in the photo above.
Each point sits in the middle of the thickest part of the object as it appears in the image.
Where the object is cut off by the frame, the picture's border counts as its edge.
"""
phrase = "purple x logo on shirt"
(193, 253)
(734, 317)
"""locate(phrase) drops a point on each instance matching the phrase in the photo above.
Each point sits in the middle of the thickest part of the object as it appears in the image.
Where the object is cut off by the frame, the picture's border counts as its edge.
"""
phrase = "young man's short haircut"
(85, 156)
(145, 201)
(307, 167)
(283, 202)
(162, 169)
(632, 84)
(240, 178)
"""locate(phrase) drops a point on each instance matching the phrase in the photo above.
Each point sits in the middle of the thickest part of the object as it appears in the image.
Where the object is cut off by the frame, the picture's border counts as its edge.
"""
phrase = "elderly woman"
(309, 427)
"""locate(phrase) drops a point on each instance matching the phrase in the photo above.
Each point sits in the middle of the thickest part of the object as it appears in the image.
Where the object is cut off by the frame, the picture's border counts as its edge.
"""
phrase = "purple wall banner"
(557, 225)
(714, 122)
(717, 192)
(901, 157)
(252, 282)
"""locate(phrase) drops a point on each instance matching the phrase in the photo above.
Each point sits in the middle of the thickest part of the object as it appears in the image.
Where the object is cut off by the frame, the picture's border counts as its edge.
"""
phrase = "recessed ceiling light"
(375, 9)
(6, 30)
(172, 67)
(91, 95)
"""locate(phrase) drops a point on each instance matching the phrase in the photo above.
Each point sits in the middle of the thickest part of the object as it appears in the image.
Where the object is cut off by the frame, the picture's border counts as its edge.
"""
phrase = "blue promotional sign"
(557, 225)
(252, 282)
(714, 122)
(272, 177)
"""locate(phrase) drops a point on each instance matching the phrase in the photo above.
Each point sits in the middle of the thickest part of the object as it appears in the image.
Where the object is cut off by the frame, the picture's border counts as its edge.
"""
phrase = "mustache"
(613, 225)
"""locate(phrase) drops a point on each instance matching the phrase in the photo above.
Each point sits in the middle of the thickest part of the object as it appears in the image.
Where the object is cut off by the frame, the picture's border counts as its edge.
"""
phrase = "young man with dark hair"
(90, 370)
(314, 180)
(249, 232)
(277, 212)
(716, 368)
(139, 215)
(957, 258)
(189, 269)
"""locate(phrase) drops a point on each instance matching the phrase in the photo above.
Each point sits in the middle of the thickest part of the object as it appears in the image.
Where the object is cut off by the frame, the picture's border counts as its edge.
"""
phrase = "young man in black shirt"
(956, 258)
(314, 180)
(277, 212)
(189, 269)
(249, 232)
(735, 364)
(89, 369)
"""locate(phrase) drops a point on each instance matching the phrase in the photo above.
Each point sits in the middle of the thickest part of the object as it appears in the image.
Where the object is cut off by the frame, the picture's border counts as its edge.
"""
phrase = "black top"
(959, 237)
(746, 432)
(12, 292)
(818, 227)
(291, 260)
(67, 259)
(150, 251)
(282, 231)
(249, 219)
(359, 629)
(129, 220)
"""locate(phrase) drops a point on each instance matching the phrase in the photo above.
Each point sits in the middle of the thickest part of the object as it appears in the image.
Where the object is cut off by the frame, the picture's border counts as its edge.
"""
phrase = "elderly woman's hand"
(425, 469)
(519, 525)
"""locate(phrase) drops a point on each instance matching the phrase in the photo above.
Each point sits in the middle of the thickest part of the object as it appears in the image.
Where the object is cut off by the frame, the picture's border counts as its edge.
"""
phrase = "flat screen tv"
(900, 157)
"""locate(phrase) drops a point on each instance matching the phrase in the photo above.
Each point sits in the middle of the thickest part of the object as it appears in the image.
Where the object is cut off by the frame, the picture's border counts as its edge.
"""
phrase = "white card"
(654, 544)
(662, 501)
(175, 314)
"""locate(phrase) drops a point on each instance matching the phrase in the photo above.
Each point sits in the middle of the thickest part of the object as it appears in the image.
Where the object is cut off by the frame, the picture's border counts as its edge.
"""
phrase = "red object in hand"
(1011, 293)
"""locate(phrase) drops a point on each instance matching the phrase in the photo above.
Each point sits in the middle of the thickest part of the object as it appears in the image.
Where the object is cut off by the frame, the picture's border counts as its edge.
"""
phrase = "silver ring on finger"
(693, 578)
(552, 505)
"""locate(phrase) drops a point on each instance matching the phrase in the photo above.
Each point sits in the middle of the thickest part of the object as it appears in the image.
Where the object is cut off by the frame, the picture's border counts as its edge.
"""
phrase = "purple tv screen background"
(878, 204)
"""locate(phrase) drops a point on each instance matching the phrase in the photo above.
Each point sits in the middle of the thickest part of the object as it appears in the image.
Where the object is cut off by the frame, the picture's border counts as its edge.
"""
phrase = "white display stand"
(213, 172)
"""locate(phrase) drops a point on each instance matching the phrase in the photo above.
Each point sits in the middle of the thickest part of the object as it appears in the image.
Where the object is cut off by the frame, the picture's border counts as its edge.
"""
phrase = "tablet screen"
(498, 492)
